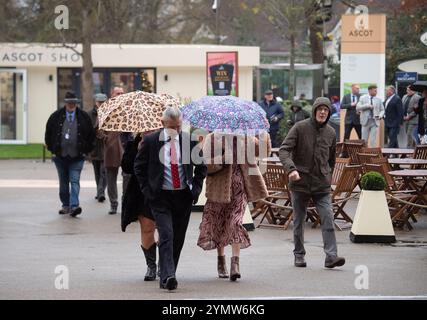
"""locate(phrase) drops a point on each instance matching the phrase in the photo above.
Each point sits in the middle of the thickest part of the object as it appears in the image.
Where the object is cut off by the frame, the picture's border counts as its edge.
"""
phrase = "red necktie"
(174, 166)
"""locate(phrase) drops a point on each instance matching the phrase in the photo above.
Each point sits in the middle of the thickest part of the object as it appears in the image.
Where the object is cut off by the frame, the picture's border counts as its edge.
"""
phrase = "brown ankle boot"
(222, 267)
(234, 270)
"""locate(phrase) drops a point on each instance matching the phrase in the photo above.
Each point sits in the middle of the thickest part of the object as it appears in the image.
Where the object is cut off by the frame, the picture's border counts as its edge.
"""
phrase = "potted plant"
(372, 222)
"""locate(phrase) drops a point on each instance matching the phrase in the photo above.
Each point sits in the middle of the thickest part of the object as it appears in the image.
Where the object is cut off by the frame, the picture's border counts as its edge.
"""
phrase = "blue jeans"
(415, 136)
(69, 170)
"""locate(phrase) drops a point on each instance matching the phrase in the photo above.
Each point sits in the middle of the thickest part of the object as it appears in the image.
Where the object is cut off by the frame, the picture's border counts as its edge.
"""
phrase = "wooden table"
(408, 177)
(396, 162)
(409, 182)
(402, 152)
(271, 159)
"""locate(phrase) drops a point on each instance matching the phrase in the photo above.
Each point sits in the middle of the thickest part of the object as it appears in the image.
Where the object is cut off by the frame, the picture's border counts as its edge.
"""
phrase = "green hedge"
(23, 151)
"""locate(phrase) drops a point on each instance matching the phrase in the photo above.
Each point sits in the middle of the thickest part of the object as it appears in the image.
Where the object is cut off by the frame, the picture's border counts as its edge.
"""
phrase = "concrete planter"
(372, 222)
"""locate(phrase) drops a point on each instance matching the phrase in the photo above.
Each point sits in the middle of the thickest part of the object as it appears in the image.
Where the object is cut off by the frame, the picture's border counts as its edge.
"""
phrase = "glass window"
(65, 83)
(126, 80)
(147, 80)
(11, 106)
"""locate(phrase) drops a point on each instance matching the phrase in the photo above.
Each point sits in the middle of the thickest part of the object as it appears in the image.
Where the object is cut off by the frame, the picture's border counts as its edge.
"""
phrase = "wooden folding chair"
(352, 149)
(340, 163)
(344, 191)
(276, 208)
(420, 152)
(339, 149)
(366, 158)
(375, 150)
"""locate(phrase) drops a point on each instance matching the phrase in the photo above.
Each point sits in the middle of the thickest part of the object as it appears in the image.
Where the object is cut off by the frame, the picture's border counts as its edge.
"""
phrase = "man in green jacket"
(308, 155)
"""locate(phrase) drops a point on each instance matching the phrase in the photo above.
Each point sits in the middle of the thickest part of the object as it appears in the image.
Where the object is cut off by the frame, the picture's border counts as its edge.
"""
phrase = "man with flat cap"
(70, 137)
(274, 113)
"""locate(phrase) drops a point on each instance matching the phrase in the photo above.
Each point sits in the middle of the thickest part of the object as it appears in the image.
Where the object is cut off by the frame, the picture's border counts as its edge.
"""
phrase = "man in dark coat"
(97, 155)
(352, 119)
(393, 116)
(164, 168)
(308, 155)
(70, 137)
(274, 113)
(422, 115)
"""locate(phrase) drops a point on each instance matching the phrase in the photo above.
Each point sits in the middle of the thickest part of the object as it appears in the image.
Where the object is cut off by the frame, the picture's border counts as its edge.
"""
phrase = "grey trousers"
(100, 178)
(112, 186)
(369, 133)
(323, 205)
(410, 143)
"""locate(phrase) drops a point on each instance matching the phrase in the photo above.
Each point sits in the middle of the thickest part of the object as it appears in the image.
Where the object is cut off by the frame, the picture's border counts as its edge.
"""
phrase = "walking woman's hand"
(294, 176)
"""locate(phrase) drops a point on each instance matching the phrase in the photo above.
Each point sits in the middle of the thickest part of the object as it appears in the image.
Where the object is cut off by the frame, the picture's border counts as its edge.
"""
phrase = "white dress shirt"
(388, 100)
(167, 182)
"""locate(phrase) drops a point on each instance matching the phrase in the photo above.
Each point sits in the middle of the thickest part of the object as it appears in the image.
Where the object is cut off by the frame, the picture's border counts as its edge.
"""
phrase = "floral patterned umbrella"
(226, 114)
(136, 111)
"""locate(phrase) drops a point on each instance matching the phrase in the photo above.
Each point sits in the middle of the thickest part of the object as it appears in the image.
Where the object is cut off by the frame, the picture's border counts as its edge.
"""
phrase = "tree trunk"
(316, 43)
(87, 81)
(292, 69)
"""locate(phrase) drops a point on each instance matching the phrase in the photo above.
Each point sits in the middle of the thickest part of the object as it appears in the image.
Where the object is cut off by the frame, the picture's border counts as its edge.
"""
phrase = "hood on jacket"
(297, 104)
(321, 101)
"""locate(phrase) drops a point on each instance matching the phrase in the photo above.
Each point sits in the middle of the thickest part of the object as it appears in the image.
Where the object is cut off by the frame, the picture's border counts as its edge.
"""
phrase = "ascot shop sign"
(16, 56)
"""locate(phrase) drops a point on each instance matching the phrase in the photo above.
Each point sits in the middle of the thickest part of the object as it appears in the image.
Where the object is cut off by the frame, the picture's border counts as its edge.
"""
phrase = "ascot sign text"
(40, 57)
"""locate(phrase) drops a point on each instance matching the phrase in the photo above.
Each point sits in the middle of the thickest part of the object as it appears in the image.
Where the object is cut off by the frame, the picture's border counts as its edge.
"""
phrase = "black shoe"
(96, 197)
(64, 210)
(300, 262)
(75, 212)
(170, 284)
(101, 198)
(112, 211)
(334, 262)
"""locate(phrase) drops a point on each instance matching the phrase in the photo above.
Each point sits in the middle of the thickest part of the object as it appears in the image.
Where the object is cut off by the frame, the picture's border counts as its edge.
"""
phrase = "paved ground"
(105, 263)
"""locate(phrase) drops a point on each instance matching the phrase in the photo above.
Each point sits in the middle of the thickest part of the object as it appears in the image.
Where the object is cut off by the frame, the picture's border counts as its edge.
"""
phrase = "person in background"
(70, 137)
(352, 119)
(422, 118)
(97, 155)
(336, 106)
(275, 114)
(297, 113)
(372, 111)
(113, 152)
(302, 98)
(393, 117)
(410, 106)
(135, 208)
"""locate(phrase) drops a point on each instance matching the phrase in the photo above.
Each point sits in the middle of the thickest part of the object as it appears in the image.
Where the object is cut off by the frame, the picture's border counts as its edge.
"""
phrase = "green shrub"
(373, 181)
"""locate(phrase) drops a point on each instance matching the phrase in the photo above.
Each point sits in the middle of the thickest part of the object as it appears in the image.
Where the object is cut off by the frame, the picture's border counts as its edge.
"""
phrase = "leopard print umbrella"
(136, 111)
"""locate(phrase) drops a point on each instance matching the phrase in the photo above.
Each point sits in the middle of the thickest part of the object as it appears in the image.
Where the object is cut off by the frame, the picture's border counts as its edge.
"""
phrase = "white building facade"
(35, 77)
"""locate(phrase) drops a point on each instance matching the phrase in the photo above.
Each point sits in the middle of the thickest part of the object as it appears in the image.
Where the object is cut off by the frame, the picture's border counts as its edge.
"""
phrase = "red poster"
(222, 73)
